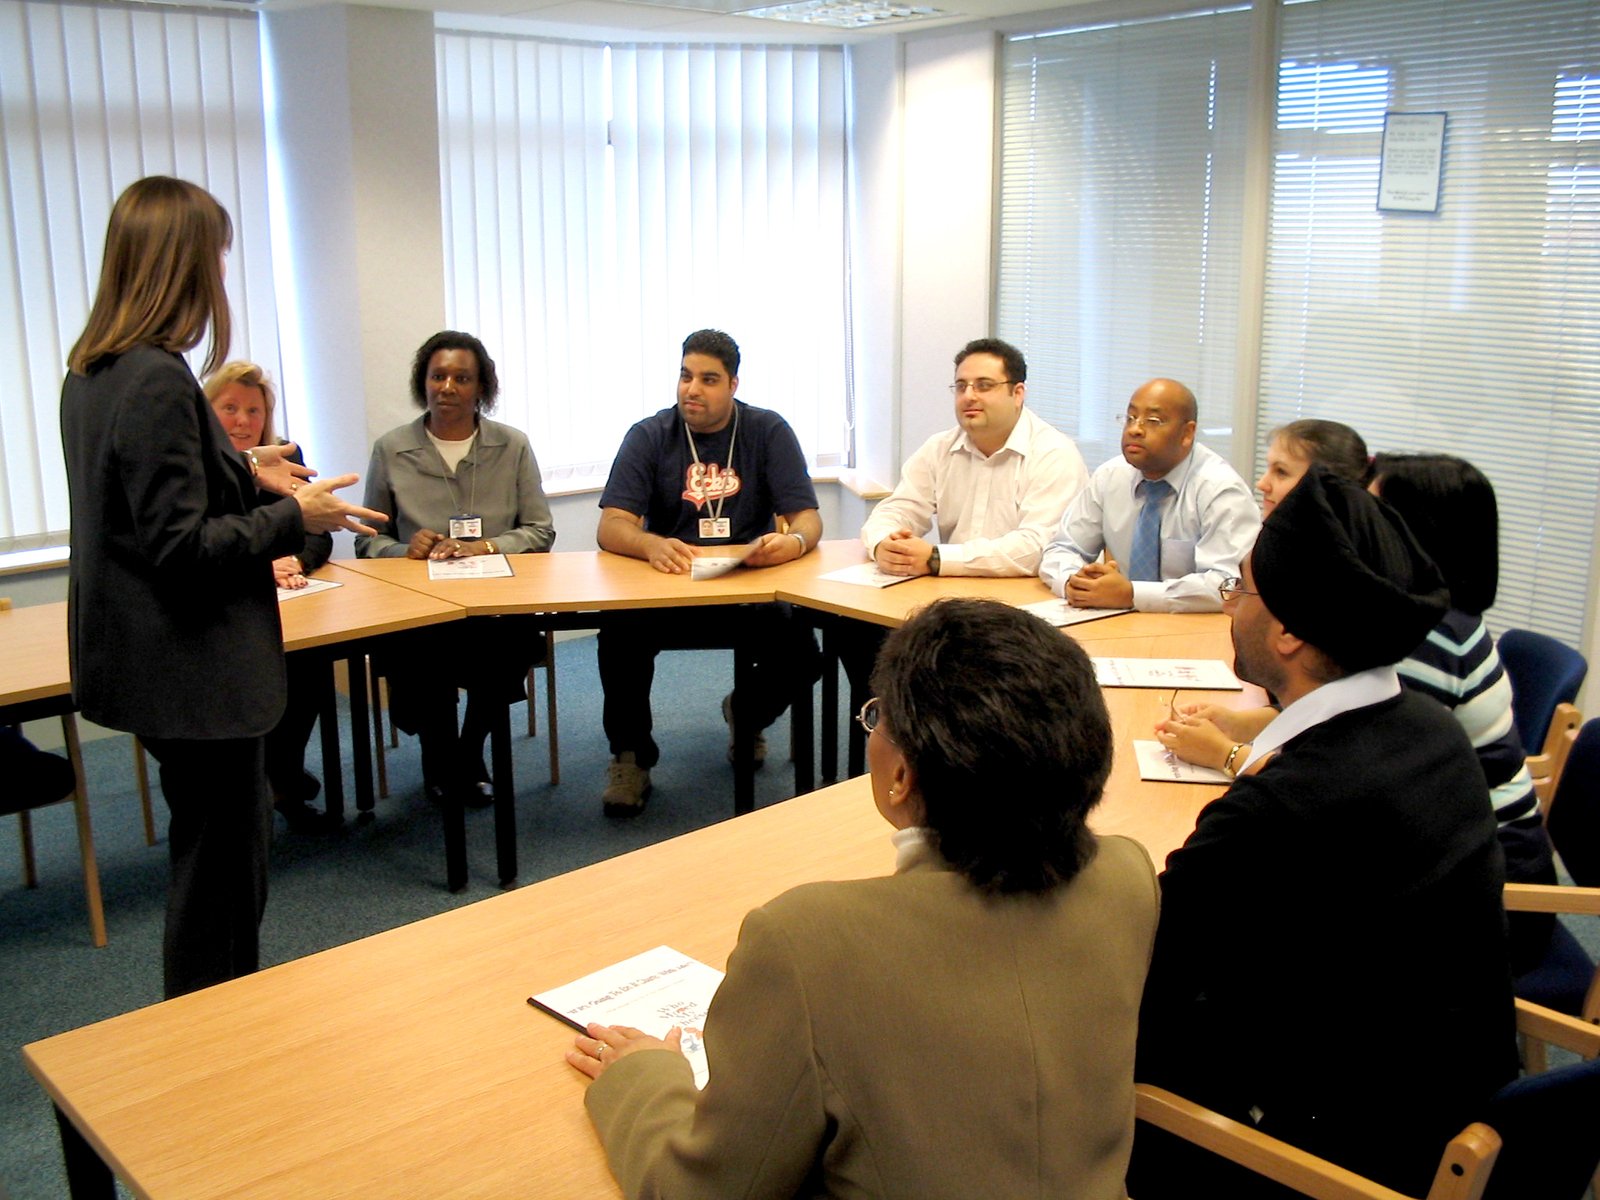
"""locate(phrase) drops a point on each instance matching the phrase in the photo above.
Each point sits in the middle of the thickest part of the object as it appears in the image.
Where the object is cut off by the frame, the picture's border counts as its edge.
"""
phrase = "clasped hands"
(427, 543)
(903, 553)
(1099, 585)
(320, 510)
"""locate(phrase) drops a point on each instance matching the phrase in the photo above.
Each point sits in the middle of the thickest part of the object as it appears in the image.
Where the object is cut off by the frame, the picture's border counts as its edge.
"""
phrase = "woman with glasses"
(1211, 735)
(964, 1027)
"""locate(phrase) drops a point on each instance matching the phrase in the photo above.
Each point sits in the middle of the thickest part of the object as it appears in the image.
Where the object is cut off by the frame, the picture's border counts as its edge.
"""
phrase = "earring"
(893, 792)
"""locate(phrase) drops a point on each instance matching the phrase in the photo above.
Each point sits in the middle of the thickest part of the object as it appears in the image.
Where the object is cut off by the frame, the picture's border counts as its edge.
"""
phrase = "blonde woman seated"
(962, 1028)
(242, 396)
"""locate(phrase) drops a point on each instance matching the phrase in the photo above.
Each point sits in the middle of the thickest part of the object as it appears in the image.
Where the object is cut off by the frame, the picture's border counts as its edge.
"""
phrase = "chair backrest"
(1574, 820)
(1546, 1124)
(1543, 673)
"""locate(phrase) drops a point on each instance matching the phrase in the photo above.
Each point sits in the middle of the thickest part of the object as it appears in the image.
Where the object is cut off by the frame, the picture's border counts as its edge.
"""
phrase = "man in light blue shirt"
(1173, 518)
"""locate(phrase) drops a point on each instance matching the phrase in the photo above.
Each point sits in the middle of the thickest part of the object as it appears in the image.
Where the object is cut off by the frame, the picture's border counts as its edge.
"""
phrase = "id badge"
(716, 527)
(466, 527)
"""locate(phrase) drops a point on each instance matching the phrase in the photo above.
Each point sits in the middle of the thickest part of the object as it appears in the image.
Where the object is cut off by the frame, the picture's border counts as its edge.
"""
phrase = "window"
(91, 99)
(601, 202)
(1471, 331)
(1122, 176)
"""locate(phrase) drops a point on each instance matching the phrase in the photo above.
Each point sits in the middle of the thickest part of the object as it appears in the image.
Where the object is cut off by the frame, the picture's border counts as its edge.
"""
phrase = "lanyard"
(716, 508)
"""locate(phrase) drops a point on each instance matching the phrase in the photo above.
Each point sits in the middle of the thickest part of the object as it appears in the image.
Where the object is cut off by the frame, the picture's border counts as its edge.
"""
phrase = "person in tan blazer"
(964, 1027)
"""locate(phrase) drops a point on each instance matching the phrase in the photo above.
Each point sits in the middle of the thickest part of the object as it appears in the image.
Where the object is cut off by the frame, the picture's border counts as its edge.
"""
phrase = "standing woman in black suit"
(172, 614)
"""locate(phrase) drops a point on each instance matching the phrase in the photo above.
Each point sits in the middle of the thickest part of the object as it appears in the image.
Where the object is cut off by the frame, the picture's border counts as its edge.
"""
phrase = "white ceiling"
(675, 20)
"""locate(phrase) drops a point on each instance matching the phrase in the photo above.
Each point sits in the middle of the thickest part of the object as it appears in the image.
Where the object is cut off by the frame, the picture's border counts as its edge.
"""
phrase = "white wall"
(354, 134)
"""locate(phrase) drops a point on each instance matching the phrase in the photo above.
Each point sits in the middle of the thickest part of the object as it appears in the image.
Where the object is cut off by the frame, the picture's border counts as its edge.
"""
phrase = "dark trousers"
(783, 652)
(218, 840)
(286, 744)
(488, 656)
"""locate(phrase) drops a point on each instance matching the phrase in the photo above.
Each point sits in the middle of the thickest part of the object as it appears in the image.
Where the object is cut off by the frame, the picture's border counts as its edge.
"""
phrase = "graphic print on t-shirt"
(705, 482)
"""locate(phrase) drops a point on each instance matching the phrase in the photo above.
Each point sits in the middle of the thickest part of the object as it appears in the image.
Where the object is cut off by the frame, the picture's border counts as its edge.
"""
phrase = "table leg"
(856, 737)
(803, 736)
(455, 840)
(87, 1173)
(505, 796)
(332, 769)
(360, 743)
(744, 739)
(830, 701)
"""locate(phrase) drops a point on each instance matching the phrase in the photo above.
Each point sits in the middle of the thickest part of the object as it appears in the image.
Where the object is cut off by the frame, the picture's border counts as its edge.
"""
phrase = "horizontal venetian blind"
(93, 97)
(601, 202)
(1474, 331)
(1121, 197)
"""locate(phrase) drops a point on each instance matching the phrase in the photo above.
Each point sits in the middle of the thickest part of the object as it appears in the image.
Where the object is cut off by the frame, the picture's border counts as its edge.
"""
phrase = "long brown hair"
(161, 278)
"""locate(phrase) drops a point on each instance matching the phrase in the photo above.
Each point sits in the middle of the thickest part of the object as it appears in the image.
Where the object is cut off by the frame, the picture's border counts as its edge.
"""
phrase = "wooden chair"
(141, 773)
(1547, 765)
(1466, 1168)
(80, 807)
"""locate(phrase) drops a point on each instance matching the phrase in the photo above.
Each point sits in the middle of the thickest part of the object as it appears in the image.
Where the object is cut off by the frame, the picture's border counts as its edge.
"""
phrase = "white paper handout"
(726, 558)
(866, 574)
(1203, 673)
(652, 991)
(312, 587)
(472, 566)
(1059, 613)
(1158, 763)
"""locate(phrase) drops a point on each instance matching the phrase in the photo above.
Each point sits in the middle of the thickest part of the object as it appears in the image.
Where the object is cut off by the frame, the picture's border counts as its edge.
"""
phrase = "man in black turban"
(1350, 873)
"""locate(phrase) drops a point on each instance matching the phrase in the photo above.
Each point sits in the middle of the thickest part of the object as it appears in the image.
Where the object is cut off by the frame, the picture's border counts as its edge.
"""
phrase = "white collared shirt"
(1207, 527)
(1323, 704)
(992, 515)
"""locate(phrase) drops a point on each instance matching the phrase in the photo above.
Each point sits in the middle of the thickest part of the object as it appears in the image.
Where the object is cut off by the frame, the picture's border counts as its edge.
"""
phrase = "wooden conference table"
(35, 680)
(409, 1061)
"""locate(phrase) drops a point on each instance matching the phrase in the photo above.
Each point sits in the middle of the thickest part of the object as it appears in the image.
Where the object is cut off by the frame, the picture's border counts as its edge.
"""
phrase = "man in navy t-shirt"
(710, 472)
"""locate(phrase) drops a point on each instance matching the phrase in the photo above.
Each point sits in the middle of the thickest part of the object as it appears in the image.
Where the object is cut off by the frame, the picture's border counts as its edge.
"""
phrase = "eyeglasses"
(981, 387)
(871, 716)
(1153, 424)
(1232, 588)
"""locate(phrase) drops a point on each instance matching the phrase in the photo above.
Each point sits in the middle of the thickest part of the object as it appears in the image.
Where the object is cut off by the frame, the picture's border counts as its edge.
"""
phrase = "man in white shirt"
(990, 490)
(1173, 518)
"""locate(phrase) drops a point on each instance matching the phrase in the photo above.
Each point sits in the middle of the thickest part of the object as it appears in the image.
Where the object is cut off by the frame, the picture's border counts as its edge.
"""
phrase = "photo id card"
(466, 527)
(716, 527)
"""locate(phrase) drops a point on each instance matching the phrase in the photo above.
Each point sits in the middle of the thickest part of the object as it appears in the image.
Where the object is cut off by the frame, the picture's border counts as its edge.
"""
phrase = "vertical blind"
(601, 202)
(140, 92)
(1121, 201)
(1474, 331)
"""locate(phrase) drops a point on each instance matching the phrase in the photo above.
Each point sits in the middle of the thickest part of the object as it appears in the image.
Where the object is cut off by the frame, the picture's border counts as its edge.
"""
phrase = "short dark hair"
(718, 345)
(454, 339)
(1450, 506)
(1016, 365)
(1001, 719)
(1331, 443)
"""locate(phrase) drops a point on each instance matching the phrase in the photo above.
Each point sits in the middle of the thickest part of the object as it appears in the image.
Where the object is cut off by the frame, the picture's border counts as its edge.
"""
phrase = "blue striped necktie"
(1145, 561)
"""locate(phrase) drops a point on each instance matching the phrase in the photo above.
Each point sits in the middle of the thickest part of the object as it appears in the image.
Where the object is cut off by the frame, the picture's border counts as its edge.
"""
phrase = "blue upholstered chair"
(1536, 1137)
(1543, 674)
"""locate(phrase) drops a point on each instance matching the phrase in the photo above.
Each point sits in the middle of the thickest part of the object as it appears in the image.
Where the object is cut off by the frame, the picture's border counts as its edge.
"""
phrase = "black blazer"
(172, 614)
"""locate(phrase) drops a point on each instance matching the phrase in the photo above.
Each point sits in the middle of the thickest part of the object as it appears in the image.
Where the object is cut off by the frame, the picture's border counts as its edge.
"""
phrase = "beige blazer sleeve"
(759, 1125)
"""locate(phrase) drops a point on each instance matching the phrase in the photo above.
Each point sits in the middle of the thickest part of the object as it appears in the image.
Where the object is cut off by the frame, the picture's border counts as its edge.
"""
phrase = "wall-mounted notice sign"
(1413, 156)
